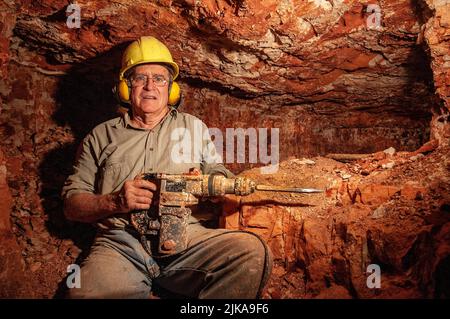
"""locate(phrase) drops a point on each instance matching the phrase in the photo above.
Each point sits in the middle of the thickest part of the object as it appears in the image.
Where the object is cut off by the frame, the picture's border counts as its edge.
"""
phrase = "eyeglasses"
(142, 80)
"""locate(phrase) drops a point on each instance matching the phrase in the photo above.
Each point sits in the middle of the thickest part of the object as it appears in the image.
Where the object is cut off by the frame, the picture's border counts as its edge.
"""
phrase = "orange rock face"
(323, 244)
(437, 31)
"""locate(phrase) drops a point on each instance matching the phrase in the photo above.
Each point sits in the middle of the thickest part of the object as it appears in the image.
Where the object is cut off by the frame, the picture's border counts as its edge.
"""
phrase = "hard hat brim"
(172, 65)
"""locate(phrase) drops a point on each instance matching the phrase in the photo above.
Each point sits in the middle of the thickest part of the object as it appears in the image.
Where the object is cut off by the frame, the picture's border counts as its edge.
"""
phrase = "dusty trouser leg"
(117, 267)
(218, 264)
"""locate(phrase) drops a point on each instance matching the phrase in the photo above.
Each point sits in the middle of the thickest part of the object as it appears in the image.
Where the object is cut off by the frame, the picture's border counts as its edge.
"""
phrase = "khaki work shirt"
(115, 151)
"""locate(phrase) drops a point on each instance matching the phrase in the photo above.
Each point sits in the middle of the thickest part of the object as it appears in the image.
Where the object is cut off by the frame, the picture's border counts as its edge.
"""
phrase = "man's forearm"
(89, 208)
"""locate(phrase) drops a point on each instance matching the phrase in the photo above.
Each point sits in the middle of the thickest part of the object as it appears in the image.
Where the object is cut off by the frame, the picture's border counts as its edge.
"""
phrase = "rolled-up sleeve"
(84, 170)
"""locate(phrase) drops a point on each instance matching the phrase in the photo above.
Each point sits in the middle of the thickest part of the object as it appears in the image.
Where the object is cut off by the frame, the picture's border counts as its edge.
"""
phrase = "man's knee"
(107, 274)
(250, 243)
(118, 286)
(255, 255)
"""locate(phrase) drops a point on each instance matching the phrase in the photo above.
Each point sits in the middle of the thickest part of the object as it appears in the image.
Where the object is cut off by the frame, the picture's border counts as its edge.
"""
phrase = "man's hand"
(89, 208)
(135, 194)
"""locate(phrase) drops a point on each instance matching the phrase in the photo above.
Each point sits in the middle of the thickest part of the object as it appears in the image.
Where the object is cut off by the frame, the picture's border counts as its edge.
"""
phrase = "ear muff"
(174, 94)
(123, 91)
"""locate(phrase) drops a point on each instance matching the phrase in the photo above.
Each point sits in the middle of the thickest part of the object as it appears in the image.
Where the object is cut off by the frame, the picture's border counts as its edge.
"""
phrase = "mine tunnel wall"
(367, 96)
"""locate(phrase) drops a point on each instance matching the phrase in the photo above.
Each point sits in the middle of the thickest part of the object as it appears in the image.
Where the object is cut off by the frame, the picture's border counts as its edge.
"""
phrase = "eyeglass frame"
(147, 77)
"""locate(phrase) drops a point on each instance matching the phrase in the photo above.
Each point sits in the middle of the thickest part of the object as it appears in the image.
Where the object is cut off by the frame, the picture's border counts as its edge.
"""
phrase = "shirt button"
(150, 149)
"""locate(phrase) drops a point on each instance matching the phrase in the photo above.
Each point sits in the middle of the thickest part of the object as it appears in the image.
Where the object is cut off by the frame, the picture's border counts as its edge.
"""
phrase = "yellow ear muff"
(174, 95)
(124, 91)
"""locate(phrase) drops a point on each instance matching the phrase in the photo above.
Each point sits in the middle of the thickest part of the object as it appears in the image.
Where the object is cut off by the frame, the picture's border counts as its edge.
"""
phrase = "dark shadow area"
(220, 88)
(418, 97)
(421, 84)
(84, 99)
(423, 13)
(442, 279)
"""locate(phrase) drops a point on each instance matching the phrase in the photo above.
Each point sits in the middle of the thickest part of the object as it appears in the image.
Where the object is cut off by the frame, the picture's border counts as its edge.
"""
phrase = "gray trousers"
(218, 263)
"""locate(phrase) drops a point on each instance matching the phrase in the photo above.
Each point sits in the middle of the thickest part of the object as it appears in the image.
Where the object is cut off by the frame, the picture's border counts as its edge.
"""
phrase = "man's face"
(150, 97)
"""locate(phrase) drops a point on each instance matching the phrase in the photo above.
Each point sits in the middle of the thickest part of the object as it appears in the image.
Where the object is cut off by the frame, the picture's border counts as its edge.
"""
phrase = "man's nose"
(150, 84)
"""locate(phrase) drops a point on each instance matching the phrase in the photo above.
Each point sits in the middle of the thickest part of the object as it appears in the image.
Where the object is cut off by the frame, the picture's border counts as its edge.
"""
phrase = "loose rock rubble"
(314, 70)
(396, 218)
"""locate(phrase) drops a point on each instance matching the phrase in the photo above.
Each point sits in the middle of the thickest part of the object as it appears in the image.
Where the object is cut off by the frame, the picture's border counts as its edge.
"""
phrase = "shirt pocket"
(113, 174)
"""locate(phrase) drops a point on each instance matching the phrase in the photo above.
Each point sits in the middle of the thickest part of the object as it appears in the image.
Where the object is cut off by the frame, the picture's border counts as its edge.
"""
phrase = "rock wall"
(251, 63)
(12, 266)
(389, 210)
(436, 36)
(322, 72)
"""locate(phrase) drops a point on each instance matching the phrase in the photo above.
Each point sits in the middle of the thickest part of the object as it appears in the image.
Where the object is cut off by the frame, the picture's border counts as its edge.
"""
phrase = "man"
(104, 190)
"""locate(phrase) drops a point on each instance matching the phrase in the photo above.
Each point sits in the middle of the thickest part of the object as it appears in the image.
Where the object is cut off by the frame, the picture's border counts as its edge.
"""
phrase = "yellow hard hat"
(147, 49)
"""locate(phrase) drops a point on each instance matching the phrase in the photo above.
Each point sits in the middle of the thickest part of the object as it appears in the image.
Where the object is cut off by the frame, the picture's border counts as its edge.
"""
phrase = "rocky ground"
(317, 70)
(390, 209)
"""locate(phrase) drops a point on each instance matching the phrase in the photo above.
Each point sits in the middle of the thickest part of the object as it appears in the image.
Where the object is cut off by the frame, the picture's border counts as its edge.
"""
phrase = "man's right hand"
(135, 194)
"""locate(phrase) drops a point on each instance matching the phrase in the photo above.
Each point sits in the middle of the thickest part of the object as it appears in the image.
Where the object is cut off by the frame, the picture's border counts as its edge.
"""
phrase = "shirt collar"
(125, 120)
